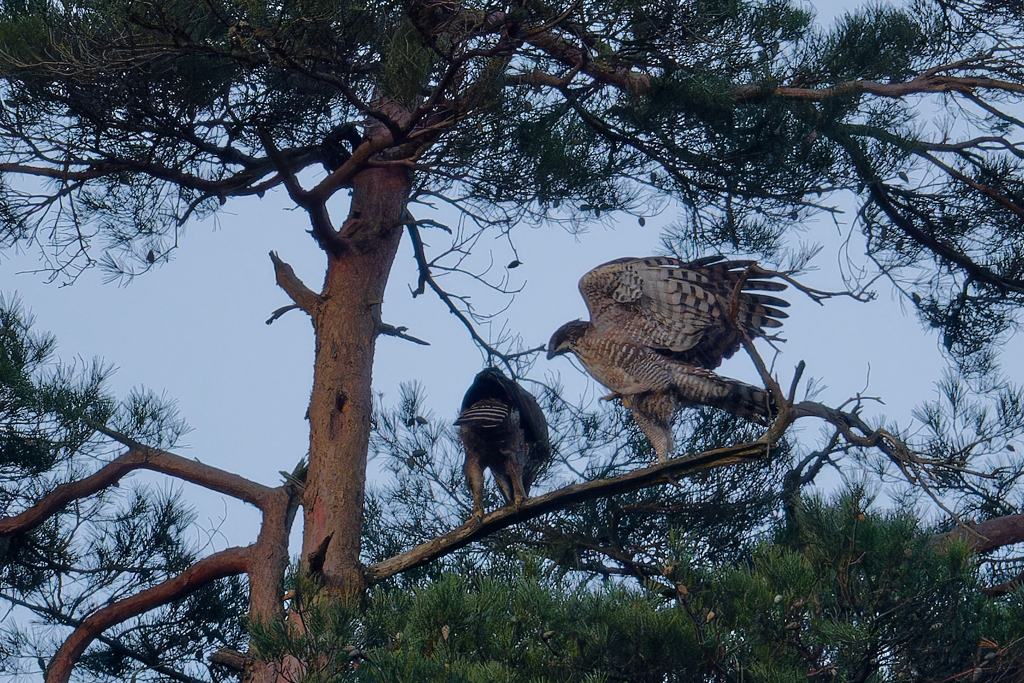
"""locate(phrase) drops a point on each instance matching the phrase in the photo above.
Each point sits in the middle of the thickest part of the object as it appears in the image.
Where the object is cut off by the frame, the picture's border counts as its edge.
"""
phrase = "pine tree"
(122, 120)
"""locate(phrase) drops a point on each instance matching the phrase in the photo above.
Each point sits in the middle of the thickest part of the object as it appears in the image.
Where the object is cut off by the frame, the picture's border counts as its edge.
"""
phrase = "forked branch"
(265, 563)
(426, 278)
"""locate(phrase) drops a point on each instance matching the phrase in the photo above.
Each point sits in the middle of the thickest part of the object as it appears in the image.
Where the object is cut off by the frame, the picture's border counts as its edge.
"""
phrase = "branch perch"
(660, 473)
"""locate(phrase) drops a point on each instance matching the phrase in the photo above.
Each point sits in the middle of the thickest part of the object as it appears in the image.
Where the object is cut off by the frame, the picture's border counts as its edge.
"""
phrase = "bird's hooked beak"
(564, 336)
(557, 350)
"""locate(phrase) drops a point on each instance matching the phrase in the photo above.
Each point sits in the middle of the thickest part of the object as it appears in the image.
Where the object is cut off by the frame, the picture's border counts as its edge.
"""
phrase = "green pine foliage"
(525, 628)
(842, 591)
(100, 548)
(170, 98)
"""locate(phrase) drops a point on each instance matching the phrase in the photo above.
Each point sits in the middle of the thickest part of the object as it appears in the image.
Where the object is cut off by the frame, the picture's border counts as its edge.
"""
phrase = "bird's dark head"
(565, 336)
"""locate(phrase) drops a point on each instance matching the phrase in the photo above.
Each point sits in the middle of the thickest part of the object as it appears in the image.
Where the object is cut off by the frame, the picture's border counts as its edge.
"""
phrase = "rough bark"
(341, 401)
(270, 556)
(983, 537)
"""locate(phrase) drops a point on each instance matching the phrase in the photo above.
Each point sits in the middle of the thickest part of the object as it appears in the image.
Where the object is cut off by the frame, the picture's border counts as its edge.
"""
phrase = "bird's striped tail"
(703, 387)
(489, 412)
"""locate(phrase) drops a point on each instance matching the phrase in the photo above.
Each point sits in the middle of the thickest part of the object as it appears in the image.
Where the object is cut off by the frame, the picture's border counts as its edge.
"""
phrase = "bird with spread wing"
(502, 428)
(659, 326)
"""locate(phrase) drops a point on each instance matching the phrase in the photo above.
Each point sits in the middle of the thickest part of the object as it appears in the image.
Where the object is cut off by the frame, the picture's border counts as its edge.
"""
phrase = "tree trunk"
(341, 401)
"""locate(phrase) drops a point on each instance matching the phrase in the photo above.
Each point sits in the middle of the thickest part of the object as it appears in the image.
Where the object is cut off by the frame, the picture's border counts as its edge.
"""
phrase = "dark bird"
(502, 428)
(333, 153)
(659, 326)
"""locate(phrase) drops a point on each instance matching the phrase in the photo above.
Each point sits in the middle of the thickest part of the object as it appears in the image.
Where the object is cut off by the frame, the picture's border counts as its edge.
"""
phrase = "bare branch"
(53, 502)
(315, 205)
(427, 278)
(928, 82)
(797, 374)
(657, 474)
(423, 267)
(973, 184)
(139, 457)
(392, 331)
(232, 659)
(281, 311)
(191, 471)
(150, 659)
(303, 296)
(817, 295)
(217, 566)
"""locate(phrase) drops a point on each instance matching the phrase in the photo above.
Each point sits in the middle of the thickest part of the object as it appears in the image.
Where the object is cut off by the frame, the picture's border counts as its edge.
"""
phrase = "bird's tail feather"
(487, 413)
(738, 398)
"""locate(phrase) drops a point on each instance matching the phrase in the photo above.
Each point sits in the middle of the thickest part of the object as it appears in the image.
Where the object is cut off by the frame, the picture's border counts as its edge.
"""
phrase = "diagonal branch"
(192, 471)
(880, 195)
(975, 185)
(657, 474)
(304, 297)
(427, 278)
(576, 57)
(217, 566)
(150, 659)
(139, 457)
(983, 537)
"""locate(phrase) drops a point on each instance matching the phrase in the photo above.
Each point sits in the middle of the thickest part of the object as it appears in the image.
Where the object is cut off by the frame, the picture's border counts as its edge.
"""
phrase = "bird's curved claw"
(615, 395)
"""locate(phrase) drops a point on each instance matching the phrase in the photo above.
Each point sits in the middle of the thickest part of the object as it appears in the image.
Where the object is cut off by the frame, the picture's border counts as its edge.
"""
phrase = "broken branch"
(304, 297)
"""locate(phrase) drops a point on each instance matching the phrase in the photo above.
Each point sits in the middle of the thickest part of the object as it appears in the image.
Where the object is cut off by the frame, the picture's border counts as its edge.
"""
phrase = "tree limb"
(217, 566)
(880, 195)
(139, 457)
(304, 297)
(281, 311)
(983, 537)
(150, 659)
(576, 57)
(392, 331)
(315, 205)
(232, 659)
(923, 84)
(1004, 588)
(266, 574)
(660, 473)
